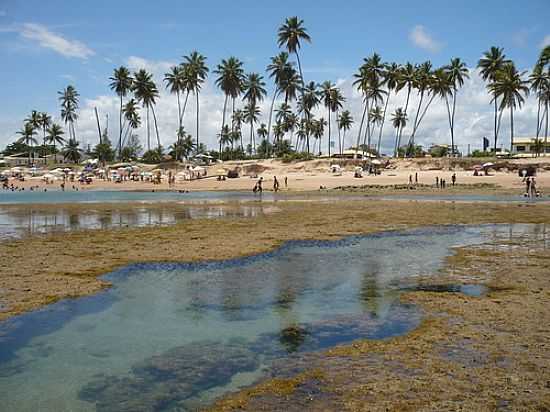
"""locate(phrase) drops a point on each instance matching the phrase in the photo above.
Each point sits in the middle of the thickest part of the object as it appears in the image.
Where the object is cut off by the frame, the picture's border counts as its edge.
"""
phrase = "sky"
(44, 46)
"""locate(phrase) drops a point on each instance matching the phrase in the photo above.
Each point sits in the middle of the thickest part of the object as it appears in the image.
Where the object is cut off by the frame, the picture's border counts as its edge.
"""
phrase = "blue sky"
(45, 45)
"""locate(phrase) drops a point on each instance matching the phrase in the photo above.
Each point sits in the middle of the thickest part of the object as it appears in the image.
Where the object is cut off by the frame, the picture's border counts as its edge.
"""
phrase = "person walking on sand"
(533, 188)
(258, 186)
(275, 184)
(453, 179)
(437, 182)
(528, 186)
(415, 178)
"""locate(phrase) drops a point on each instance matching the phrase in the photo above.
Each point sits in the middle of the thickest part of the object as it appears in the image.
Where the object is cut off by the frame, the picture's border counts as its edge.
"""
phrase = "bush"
(292, 157)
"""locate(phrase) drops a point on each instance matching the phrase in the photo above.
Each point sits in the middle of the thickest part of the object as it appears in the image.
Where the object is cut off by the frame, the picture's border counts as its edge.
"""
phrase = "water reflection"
(28, 220)
(166, 335)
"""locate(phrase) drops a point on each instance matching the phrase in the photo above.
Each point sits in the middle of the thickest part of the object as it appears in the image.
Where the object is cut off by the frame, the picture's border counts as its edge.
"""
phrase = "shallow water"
(18, 221)
(172, 336)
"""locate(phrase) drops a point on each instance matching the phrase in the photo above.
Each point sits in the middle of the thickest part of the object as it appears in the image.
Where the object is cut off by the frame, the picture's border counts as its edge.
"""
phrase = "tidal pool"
(175, 336)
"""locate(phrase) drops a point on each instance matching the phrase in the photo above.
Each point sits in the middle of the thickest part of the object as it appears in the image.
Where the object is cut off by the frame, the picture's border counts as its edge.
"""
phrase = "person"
(410, 179)
(258, 186)
(437, 182)
(528, 186)
(416, 178)
(275, 184)
(453, 179)
(286, 182)
(533, 187)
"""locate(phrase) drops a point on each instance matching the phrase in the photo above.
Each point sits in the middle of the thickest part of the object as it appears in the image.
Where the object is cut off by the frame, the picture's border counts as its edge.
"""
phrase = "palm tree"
(282, 113)
(344, 123)
(35, 121)
(510, 86)
(422, 83)
(262, 133)
(72, 151)
(45, 122)
(224, 137)
(290, 34)
(251, 113)
(457, 72)
(327, 89)
(230, 80)
(236, 122)
(55, 136)
(176, 84)
(27, 137)
(132, 119)
(254, 92)
(69, 106)
(121, 83)
(376, 116)
(391, 78)
(146, 92)
(490, 64)
(282, 72)
(399, 121)
(406, 79)
(196, 74)
(309, 101)
(539, 83)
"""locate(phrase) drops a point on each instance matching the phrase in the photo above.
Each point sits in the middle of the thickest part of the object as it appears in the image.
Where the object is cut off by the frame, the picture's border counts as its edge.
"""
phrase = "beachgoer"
(528, 186)
(437, 182)
(286, 182)
(275, 184)
(416, 178)
(533, 187)
(453, 179)
(410, 179)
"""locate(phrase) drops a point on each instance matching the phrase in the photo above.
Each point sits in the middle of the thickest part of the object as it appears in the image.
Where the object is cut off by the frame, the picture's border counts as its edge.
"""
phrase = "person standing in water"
(286, 182)
(453, 179)
(275, 184)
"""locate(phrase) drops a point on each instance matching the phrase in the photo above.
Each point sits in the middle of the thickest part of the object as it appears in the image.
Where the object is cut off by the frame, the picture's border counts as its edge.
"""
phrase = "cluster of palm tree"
(292, 120)
(52, 133)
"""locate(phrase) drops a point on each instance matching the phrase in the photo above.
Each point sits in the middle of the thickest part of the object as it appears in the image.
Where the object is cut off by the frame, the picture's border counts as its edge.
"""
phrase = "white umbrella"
(376, 162)
(488, 164)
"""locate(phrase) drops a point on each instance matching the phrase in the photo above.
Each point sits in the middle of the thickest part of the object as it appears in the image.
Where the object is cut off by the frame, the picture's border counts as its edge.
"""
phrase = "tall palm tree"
(539, 83)
(344, 123)
(27, 137)
(376, 116)
(55, 137)
(251, 114)
(262, 132)
(35, 121)
(121, 83)
(196, 74)
(407, 78)
(490, 64)
(399, 121)
(422, 83)
(69, 106)
(175, 83)
(327, 89)
(230, 80)
(511, 88)
(282, 113)
(45, 122)
(224, 137)
(457, 72)
(309, 101)
(254, 92)
(282, 72)
(391, 78)
(146, 93)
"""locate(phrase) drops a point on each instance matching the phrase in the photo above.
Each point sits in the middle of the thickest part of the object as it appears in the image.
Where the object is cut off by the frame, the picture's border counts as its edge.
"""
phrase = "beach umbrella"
(477, 167)
(488, 164)
(376, 162)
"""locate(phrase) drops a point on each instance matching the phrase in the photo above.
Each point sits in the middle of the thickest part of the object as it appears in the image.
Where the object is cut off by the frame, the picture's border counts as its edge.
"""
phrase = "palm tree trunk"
(270, 118)
(339, 132)
(511, 128)
(401, 128)
(119, 128)
(343, 142)
(453, 123)
(360, 130)
(179, 109)
(303, 86)
(449, 118)
(156, 127)
(54, 153)
(223, 121)
(411, 137)
(328, 133)
(197, 98)
(383, 120)
(251, 131)
(546, 129)
(148, 131)
(422, 117)
(367, 131)
(496, 130)
(184, 107)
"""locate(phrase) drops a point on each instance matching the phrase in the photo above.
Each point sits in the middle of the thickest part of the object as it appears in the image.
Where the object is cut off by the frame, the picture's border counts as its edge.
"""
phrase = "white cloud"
(545, 42)
(156, 67)
(421, 38)
(56, 42)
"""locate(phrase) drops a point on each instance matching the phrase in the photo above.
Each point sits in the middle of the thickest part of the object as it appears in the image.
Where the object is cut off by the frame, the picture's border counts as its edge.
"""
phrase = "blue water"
(174, 336)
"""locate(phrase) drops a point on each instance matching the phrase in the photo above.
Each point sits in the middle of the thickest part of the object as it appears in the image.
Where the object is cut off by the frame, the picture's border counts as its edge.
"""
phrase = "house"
(350, 154)
(530, 146)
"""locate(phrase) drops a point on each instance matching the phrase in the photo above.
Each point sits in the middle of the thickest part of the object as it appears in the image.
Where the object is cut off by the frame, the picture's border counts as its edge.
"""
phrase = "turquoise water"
(174, 336)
